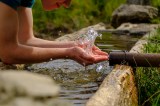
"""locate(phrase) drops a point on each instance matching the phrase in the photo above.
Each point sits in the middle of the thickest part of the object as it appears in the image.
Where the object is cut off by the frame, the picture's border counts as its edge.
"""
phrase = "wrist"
(68, 53)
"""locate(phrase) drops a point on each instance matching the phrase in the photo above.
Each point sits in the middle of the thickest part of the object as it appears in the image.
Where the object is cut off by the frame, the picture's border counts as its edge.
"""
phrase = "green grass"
(148, 79)
(156, 3)
(80, 14)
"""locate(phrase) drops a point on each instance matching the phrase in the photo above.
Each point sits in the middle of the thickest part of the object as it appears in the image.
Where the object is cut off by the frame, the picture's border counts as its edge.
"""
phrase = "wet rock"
(136, 29)
(73, 36)
(20, 88)
(134, 14)
(138, 47)
(117, 89)
(67, 66)
(132, 29)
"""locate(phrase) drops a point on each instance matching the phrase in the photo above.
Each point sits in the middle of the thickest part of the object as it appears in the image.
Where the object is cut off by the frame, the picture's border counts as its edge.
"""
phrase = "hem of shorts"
(9, 5)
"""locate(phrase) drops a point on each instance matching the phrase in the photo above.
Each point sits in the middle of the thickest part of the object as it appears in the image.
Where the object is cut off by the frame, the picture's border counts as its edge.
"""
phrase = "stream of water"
(77, 83)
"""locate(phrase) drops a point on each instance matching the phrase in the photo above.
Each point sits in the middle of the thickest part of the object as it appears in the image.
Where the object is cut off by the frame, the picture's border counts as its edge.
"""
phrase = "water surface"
(79, 83)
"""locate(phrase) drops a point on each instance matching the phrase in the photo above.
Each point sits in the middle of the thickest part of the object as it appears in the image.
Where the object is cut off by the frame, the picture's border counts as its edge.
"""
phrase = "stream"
(79, 83)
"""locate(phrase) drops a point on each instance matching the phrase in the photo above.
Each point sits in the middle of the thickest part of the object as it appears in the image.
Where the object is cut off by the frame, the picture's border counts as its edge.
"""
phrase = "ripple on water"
(77, 84)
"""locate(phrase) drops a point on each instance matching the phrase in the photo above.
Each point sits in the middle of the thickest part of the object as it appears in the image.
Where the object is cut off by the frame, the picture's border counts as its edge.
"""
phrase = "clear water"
(77, 83)
(88, 39)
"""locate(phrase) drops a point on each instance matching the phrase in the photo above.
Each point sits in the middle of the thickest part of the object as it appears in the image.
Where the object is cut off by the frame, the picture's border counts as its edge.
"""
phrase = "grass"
(148, 79)
(156, 3)
(80, 14)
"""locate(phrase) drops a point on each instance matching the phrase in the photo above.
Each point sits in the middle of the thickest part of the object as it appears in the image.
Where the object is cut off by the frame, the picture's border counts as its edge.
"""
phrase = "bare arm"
(29, 54)
(26, 29)
(13, 52)
(37, 42)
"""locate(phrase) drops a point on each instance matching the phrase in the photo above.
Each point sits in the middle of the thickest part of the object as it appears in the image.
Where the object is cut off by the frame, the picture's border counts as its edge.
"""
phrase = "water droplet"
(88, 39)
(60, 33)
(99, 68)
(84, 64)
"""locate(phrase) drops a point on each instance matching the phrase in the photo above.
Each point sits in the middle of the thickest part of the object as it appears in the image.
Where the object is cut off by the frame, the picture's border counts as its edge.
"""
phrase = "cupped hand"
(97, 51)
(98, 54)
(81, 56)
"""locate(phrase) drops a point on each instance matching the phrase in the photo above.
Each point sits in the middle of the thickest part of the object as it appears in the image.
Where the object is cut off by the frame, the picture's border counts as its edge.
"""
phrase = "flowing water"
(78, 83)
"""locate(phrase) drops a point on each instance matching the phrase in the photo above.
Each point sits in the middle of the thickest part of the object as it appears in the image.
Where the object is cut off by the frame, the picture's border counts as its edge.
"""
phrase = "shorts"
(16, 3)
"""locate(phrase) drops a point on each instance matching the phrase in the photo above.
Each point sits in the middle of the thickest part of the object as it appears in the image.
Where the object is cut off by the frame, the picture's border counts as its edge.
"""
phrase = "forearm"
(27, 54)
(37, 42)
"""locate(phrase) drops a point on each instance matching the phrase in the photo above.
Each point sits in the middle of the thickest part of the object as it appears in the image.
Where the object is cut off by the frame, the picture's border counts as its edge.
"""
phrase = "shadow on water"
(79, 83)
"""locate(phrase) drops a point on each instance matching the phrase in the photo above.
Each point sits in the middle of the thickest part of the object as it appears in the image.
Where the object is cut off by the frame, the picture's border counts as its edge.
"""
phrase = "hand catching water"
(89, 53)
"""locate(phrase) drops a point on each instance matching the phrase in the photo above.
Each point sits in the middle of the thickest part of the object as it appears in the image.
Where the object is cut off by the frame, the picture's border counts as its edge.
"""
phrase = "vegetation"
(80, 14)
(88, 12)
(148, 79)
(156, 3)
(83, 13)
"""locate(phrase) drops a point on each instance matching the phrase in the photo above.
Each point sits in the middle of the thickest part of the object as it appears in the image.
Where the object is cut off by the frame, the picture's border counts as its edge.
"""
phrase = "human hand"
(81, 56)
(97, 51)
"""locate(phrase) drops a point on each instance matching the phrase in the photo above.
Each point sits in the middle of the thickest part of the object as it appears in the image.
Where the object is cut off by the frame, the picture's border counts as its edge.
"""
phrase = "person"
(18, 45)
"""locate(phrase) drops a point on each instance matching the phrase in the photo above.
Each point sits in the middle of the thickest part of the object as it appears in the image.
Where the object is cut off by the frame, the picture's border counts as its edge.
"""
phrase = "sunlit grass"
(148, 79)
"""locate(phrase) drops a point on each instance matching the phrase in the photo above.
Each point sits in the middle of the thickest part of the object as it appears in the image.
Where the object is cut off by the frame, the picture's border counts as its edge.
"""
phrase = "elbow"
(7, 58)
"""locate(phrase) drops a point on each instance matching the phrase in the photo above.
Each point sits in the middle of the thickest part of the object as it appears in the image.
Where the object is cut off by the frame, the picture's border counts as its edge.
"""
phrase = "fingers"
(100, 58)
(84, 58)
(88, 60)
(79, 55)
(99, 52)
(95, 48)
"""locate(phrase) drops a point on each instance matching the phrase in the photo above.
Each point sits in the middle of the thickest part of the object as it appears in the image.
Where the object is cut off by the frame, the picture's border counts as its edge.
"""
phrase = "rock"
(139, 2)
(74, 36)
(134, 14)
(117, 89)
(136, 29)
(20, 88)
(132, 29)
(138, 47)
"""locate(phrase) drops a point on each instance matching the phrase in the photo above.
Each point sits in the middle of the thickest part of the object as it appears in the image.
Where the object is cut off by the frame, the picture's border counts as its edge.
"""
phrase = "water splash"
(87, 40)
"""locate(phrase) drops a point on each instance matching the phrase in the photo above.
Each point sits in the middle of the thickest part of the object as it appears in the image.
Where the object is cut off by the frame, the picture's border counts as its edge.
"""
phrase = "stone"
(134, 14)
(117, 89)
(22, 88)
(138, 47)
(136, 29)
(74, 36)
(139, 2)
